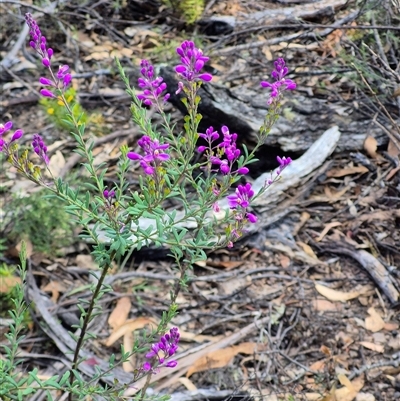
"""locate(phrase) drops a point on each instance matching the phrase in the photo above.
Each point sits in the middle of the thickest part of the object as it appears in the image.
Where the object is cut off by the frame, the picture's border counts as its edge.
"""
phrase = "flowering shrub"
(166, 159)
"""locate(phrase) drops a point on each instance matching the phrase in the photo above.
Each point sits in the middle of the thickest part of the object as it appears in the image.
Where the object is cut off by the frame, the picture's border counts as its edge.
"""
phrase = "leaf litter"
(267, 316)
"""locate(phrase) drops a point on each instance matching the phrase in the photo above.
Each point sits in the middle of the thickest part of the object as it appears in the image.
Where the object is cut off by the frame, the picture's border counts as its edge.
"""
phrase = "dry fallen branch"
(375, 269)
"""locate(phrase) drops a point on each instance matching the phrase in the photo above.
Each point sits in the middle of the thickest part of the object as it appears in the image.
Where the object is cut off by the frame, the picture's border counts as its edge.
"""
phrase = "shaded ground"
(307, 307)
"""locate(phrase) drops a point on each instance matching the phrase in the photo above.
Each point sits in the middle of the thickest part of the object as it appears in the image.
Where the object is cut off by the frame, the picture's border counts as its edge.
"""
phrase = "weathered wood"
(243, 109)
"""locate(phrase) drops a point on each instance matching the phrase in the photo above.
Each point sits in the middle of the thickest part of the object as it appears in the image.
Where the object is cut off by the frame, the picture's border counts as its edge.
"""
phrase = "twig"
(305, 26)
(375, 269)
(379, 44)
(273, 41)
(381, 364)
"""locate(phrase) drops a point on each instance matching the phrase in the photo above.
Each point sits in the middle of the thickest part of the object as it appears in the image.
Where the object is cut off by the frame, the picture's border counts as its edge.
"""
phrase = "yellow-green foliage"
(190, 10)
(57, 112)
(9, 290)
(42, 220)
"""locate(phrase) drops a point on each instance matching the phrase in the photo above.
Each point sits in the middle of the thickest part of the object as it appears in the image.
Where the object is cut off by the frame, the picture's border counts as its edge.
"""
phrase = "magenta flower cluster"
(38, 41)
(281, 83)
(40, 148)
(224, 154)
(109, 194)
(163, 350)
(37, 143)
(283, 163)
(15, 136)
(62, 78)
(152, 87)
(240, 201)
(154, 154)
(193, 61)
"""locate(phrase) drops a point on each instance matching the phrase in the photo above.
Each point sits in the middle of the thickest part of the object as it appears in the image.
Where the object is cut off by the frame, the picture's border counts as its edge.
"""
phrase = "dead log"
(304, 119)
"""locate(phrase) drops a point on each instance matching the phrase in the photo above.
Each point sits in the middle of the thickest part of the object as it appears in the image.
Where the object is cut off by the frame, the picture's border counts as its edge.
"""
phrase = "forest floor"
(306, 307)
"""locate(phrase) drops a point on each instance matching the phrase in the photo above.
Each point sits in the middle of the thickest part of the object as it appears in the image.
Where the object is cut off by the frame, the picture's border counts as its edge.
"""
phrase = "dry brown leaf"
(322, 305)
(303, 219)
(373, 346)
(215, 359)
(129, 365)
(325, 350)
(346, 394)
(8, 283)
(318, 366)
(340, 296)
(120, 313)
(220, 358)
(284, 261)
(307, 249)
(337, 173)
(392, 149)
(187, 383)
(227, 265)
(128, 327)
(334, 195)
(344, 381)
(391, 326)
(374, 322)
(370, 146)
(86, 262)
(327, 228)
(55, 288)
(392, 173)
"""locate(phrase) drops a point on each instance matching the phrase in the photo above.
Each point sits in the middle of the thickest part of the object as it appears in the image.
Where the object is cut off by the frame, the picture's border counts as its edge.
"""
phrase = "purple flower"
(46, 81)
(38, 41)
(283, 163)
(163, 350)
(242, 197)
(63, 75)
(154, 154)
(193, 61)
(251, 217)
(40, 148)
(47, 93)
(6, 127)
(152, 88)
(281, 84)
(109, 194)
(17, 134)
(241, 200)
(226, 148)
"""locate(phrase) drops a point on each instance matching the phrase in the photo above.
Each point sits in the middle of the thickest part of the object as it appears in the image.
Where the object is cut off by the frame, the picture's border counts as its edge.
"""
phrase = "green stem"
(87, 319)
(145, 387)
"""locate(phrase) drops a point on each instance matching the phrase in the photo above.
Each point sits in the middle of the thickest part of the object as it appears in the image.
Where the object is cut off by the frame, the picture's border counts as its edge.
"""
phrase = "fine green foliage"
(190, 10)
(371, 54)
(42, 220)
(57, 113)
